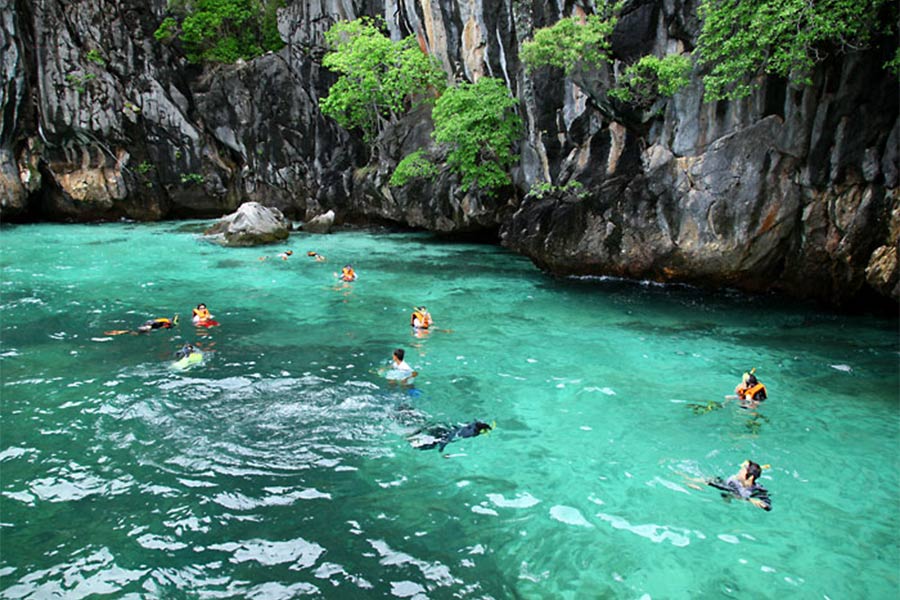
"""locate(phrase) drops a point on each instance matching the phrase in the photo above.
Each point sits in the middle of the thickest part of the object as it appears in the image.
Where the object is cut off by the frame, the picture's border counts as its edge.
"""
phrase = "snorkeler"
(750, 391)
(186, 351)
(316, 255)
(286, 254)
(744, 485)
(148, 326)
(441, 435)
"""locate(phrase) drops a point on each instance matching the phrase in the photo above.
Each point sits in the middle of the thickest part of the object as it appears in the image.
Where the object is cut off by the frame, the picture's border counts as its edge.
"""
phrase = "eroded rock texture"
(793, 188)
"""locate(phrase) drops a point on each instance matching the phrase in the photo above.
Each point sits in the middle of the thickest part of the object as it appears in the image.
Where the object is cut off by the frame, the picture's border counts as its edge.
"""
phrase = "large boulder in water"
(320, 224)
(251, 224)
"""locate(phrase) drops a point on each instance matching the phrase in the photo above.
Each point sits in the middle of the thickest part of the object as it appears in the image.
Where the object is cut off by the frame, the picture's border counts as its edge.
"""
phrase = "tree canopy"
(741, 40)
(378, 79)
(478, 123)
(222, 30)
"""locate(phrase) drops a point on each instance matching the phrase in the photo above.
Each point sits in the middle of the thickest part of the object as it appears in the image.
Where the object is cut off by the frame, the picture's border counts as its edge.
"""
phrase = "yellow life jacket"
(348, 274)
(424, 319)
(202, 314)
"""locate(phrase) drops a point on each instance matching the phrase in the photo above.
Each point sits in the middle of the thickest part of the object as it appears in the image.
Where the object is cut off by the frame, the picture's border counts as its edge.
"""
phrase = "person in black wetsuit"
(744, 485)
(441, 435)
(160, 323)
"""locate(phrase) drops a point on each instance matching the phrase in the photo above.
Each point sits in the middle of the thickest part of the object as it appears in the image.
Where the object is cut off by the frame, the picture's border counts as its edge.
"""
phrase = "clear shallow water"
(280, 467)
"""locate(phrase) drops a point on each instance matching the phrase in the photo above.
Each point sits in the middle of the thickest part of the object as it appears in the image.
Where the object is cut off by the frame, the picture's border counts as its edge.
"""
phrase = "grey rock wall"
(794, 188)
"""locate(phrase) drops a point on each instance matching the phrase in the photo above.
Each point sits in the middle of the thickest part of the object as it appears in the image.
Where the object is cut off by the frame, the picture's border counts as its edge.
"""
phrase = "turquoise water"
(280, 466)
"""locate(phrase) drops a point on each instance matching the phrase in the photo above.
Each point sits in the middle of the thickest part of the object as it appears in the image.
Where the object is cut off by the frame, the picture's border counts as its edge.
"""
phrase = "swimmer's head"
(399, 353)
(753, 470)
(310, 253)
(201, 306)
(752, 380)
(479, 427)
(745, 377)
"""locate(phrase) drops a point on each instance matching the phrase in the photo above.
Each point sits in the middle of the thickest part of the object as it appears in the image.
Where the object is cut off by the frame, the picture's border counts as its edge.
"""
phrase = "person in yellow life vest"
(421, 318)
(750, 389)
(159, 323)
(348, 274)
(201, 314)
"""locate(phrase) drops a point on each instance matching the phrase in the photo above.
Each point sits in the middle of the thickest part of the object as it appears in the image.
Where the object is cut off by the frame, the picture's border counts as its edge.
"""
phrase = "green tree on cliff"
(741, 40)
(478, 123)
(581, 43)
(379, 79)
(222, 30)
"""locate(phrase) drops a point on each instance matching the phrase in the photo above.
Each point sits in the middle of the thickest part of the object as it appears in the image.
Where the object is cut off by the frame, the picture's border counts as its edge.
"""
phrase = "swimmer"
(441, 435)
(200, 314)
(420, 318)
(400, 371)
(347, 273)
(317, 256)
(399, 363)
(286, 254)
(186, 351)
(148, 326)
(744, 485)
(750, 391)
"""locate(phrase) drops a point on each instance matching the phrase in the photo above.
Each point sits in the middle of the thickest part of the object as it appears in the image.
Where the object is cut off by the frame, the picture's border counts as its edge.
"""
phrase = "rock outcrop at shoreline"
(794, 188)
(252, 224)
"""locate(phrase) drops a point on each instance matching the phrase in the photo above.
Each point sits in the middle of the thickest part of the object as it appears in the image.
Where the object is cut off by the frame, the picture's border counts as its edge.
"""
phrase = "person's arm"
(760, 504)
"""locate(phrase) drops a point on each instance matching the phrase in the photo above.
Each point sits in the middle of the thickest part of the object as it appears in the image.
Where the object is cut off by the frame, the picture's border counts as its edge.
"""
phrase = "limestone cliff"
(793, 188)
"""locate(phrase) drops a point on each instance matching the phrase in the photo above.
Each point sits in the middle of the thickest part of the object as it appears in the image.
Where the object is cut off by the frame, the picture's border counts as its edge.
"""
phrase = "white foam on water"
(569, 516)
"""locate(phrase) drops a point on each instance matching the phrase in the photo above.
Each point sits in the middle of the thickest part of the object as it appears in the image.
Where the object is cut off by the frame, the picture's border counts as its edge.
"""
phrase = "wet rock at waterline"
(320, 224)
(251, 225)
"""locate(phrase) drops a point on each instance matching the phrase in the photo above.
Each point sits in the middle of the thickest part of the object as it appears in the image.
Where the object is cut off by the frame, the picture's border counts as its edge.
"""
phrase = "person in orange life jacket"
(201, 314)
(316, 255)
(348, 274)
(284, 255)
(750, 389)
(421, 318)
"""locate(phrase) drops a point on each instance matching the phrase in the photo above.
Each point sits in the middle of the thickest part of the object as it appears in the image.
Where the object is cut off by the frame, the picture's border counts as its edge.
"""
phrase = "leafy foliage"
(741, 40)
(413, 165)
(378, 78)
(651, 77)
(477, 121)
(569, 43)
(542, 189)
(94, 56)
(192, 178)
(223, 30)
(80, 81)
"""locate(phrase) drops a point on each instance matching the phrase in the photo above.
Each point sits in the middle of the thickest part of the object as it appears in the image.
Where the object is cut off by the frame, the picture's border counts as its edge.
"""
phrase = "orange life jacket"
(757, 390)
(424, 319)
(348, 274)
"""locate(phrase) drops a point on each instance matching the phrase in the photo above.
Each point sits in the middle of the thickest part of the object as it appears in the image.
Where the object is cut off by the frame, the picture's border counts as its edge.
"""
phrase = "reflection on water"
(281, 466)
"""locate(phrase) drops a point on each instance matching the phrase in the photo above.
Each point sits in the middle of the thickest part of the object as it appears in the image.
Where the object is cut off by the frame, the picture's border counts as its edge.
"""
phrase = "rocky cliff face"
(793, 188)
